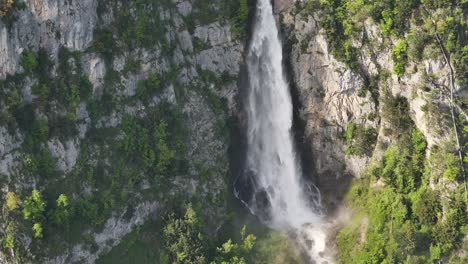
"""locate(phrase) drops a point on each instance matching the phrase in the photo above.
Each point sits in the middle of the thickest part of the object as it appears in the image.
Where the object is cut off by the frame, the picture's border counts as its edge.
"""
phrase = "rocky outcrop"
(47, 24)
(328, 92)
(115, 229)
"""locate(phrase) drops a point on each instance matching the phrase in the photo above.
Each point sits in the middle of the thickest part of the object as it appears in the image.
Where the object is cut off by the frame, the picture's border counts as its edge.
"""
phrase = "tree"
(452, 171)
(400, 57)
(37, 229)
(29, 61)
(12, 201)
(165, 153)
(184, 240)
(233, 253)
(62, 213)
(426, 206)
(34, 206)
(9, 241)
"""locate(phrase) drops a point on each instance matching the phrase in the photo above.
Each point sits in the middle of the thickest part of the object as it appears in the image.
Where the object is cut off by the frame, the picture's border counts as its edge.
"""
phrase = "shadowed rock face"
(46, 24)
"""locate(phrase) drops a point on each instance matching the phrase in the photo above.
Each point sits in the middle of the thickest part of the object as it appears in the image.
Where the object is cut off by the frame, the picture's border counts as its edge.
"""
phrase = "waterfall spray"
(280, 196)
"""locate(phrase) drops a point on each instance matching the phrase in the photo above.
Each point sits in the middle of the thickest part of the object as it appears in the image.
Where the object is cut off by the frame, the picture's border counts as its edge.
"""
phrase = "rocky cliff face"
(333, 95)
(45, 24)
(93, 91)
(176, 71)
(360, 112)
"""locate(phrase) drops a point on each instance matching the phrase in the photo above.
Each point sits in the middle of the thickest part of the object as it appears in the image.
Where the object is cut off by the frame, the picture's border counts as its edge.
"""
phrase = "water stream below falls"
(280, 197)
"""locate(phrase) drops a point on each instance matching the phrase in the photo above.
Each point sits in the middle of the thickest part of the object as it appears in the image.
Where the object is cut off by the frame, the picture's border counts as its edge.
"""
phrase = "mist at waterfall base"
(278, 194)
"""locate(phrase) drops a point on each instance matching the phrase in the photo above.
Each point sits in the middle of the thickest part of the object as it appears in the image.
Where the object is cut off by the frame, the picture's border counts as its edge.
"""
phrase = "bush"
(29, 61)
(183, 239)
(37, 229)
(395, 111)
(400, 57)
(453, 170)
(360, 140)
(62, 213)
(34, 206)
(240, 21)
(426, 207)
(88, 210)
(12, 201)
(147, 88)
(9, 241)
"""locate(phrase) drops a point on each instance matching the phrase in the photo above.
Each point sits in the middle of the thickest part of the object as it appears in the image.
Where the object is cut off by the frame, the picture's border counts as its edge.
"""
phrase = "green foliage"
(184, 240)
(402, 219)
(343, 22)
(147, 88)
(155, 144)
(444, 163)
(275, 249)
(360, 140)
(12, 201)
(37, 230)
(34, 206)
(426, 206)
(9, 241)
(453, 170)
(233, 253)
(137, 25)
(339, 31)
(29, 61)
(40, 163)
(62, 212)
(402, 165)
(88, 210)
(395, 111)
(240, 20)
(165, 153)
(400, 57)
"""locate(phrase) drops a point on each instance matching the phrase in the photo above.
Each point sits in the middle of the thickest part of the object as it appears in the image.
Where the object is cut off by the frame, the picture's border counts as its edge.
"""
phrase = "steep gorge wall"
(360, 115)
(101, 79)
(333, 95)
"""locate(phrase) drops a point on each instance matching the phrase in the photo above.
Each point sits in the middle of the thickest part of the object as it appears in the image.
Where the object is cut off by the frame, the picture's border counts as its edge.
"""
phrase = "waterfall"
(279, 195)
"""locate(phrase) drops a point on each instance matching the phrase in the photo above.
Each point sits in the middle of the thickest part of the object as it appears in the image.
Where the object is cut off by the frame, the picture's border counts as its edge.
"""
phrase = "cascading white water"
(271, 157)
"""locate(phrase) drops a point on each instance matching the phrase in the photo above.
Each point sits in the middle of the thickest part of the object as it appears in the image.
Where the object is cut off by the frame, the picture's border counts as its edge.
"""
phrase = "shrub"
(146, 88)
(62, 213)
(34, 206)
(453, 170)
(240, 23)
(426, 207)
(9, 241)
(395, 111)
(37, 229)
(165, 153)
(12, 201)
(28, 61)
(360, 140)
(400, 57)
(183, 238)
